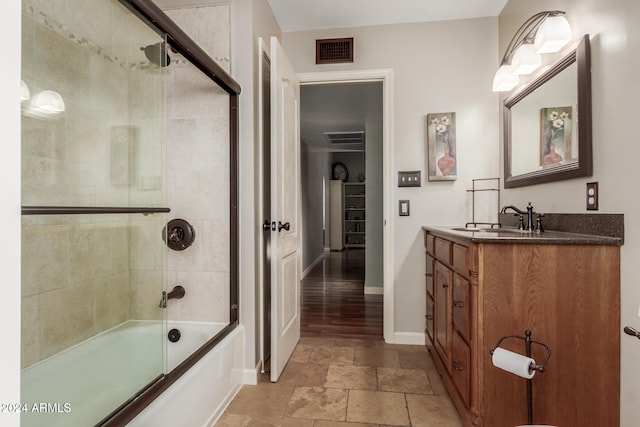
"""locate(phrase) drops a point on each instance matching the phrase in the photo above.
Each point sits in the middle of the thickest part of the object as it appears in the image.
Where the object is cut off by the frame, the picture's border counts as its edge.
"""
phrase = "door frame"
(386, 77)
(264, 54)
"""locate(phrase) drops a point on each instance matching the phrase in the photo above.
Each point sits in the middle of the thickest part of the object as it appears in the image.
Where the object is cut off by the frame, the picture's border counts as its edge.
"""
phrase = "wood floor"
(334, 304)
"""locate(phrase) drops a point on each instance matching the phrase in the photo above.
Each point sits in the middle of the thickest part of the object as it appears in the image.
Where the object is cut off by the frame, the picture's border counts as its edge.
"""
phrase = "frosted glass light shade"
(553, 34)
(48, 102)
(504, 79)
(525, 60)
(24, 91)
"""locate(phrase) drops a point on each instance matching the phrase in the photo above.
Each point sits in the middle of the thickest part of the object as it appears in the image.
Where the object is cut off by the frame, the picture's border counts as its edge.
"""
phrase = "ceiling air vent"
(333, 51)
(343, 138)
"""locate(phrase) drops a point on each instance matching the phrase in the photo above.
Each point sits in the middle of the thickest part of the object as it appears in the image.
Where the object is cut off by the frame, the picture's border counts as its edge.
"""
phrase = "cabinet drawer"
(443, 250)
(429, 322)
(429, 275)
(461, 303)
(429, 243)
(459, 254)
(461, 367)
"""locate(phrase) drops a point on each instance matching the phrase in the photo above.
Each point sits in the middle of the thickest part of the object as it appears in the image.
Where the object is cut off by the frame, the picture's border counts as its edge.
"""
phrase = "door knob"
(286, 226)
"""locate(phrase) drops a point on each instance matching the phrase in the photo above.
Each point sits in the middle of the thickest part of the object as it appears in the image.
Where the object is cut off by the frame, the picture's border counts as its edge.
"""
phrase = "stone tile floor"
(332, 382)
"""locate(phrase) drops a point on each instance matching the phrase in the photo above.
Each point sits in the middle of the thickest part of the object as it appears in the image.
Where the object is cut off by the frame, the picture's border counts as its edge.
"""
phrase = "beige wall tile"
(45, 265)
(67, 317)
(30, 336)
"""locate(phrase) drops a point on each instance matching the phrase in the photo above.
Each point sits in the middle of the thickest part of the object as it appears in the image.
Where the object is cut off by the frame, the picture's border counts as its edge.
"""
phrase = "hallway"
(333, 300)
(341, 372)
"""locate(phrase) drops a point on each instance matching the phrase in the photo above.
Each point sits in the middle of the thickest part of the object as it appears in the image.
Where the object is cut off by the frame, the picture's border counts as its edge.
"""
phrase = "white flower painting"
(441, 146)
(555, 136)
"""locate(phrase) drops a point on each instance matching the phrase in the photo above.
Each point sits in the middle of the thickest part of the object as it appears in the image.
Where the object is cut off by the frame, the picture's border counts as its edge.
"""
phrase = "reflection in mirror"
(547, 124)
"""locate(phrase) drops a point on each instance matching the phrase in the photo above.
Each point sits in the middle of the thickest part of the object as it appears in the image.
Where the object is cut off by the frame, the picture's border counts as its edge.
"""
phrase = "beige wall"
(615, 48)
(437, 67)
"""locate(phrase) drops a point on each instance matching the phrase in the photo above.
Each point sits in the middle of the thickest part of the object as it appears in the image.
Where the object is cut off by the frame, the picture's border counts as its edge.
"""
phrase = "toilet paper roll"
(513, 362)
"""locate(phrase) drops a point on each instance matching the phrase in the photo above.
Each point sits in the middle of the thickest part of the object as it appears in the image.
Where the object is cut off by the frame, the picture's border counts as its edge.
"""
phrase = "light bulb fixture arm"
(527, 33)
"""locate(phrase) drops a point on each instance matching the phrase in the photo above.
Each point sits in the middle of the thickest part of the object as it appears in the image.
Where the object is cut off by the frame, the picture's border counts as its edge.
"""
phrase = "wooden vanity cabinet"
(568, 295)
(430, 297)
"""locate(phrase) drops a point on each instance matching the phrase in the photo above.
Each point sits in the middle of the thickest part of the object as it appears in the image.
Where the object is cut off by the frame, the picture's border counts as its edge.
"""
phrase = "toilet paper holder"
(528, 341)
(533, 366)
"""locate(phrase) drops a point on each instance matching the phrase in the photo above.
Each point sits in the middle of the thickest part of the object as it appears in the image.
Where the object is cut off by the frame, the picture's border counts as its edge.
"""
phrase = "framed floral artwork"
(441, 147)
(556, 146)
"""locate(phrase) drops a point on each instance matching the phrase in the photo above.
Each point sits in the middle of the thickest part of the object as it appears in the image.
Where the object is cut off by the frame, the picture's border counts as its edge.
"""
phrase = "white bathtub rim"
(159, 411)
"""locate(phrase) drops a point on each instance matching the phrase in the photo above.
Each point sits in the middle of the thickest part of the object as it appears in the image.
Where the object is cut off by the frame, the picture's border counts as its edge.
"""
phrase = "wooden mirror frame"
(584, 167)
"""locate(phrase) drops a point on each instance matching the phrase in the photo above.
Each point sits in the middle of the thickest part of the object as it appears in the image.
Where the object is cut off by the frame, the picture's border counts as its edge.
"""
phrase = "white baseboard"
(250, 376)
(313, 264)
(374, 290)
(408, 338)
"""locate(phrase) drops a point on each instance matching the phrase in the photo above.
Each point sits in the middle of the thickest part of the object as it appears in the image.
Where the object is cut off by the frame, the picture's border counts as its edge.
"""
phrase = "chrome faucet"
(528, 213)
(177, 292)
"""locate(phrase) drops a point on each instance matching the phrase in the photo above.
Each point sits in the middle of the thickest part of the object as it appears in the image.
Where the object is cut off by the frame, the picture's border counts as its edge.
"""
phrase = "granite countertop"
(513, 235)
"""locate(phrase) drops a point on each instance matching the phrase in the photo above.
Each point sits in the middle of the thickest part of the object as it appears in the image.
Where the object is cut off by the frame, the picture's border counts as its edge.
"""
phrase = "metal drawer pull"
(456, 366)
(458, 304)
(630, 331)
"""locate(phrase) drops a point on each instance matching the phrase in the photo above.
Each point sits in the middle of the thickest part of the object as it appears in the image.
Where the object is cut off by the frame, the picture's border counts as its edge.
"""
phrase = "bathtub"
(81, 385)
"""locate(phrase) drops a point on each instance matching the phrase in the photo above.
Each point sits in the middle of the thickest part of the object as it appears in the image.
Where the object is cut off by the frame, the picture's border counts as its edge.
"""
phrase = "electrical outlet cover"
(592, 196)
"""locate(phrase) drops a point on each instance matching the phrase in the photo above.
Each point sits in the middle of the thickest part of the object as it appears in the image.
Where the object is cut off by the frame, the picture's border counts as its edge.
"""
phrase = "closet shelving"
(354, 198)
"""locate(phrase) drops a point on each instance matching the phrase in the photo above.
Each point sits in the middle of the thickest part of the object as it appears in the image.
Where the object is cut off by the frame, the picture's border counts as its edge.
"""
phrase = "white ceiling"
(296, 15)
(337, 108)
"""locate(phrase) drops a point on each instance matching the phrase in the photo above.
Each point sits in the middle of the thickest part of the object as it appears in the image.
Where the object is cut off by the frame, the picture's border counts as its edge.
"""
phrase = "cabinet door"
(429, 322)
(429, 275)
(442, 320)
(461, 306)
(461, 364)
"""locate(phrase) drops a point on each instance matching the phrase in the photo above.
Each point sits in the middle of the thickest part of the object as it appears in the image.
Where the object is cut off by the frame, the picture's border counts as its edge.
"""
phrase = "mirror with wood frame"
(547, 123)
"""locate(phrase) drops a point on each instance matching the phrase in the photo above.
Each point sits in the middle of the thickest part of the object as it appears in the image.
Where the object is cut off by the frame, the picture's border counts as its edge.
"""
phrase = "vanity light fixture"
(544, 32)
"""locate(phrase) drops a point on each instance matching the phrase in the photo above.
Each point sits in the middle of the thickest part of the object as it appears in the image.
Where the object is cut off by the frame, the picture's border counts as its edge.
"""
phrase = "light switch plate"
(409, 179)
(592, 196)
(403, 208)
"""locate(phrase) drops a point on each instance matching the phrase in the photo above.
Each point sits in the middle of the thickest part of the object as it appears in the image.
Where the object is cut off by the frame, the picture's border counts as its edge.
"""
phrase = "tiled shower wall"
(198, 170)
(83, 274)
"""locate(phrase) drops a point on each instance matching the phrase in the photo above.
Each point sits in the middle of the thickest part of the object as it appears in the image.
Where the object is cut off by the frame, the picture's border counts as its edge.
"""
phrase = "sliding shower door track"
(82, 210)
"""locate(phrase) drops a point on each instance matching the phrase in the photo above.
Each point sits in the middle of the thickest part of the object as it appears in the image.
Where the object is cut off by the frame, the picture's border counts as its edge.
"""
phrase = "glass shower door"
(93, 195)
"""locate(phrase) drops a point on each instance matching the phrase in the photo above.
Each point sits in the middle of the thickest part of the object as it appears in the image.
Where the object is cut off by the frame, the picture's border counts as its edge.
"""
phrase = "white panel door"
(286, 260)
